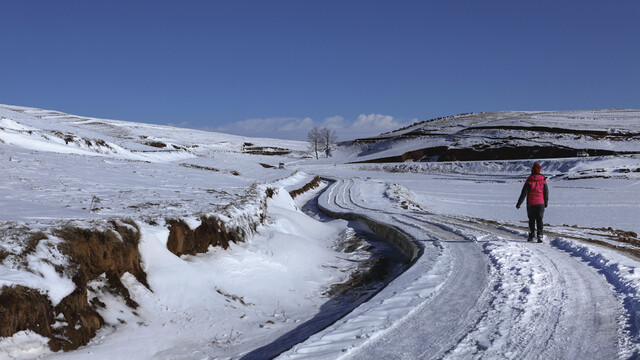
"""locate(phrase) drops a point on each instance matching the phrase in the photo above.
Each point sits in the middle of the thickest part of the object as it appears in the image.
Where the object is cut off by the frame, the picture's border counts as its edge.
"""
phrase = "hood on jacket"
(535, 169)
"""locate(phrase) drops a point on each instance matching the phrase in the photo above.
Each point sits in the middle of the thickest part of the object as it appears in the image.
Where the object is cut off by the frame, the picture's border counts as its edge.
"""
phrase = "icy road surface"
(478, 290)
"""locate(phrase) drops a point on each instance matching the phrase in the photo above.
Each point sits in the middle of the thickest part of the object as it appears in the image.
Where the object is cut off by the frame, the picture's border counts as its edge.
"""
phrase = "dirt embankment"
(111, 252)
(314, 183)
(443, 153)
(212, 231)
(74, 321)
(426, 132)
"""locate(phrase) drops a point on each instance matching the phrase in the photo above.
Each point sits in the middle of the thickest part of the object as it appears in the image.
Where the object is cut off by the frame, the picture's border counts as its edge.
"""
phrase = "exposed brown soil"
(212, 232)
(443, 153)
(96, 252)
(265, 150)
(409, 135)
(91, 253)
(194, 166)
(624, 249)
(157, 144)
(314, 183)
(22, 308)
(628, 237)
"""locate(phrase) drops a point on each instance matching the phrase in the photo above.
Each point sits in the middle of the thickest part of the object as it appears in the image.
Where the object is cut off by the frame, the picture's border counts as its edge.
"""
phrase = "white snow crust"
(476, 289)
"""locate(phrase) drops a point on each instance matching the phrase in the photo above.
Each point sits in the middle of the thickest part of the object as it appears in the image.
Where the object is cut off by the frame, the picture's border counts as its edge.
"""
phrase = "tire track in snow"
(442, 320)
(431, 280)
(545, 305)
(486, 297)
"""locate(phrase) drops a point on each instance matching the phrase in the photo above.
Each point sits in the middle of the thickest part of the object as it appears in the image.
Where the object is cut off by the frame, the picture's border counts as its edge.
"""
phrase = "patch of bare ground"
(314, 183)
(156, 144)
(22, 308)
(594, 134)
(200, 167)
(265, 150)
(91, 253)
(486, 152)
(103, 254)
(211, 232)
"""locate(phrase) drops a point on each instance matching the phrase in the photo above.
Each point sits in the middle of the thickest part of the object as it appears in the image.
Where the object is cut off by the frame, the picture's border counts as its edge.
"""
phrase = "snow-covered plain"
(476, 289)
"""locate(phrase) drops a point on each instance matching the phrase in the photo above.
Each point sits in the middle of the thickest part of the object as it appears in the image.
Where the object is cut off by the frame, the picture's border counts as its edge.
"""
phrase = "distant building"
(582, 153)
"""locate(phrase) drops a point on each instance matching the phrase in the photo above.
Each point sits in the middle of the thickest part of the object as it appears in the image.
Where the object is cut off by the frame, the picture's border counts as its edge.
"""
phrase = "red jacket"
(536, 191)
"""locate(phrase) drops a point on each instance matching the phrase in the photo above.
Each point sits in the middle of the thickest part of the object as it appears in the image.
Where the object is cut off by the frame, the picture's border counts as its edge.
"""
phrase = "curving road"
(477, 290)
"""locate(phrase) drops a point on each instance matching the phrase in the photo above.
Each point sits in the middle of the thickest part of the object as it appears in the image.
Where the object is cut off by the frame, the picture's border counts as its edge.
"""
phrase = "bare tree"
(329, 138)
(314, 136)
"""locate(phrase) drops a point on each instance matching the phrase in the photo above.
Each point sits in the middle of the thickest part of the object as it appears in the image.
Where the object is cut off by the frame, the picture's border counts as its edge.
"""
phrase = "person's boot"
(530, 238)
(540, 236)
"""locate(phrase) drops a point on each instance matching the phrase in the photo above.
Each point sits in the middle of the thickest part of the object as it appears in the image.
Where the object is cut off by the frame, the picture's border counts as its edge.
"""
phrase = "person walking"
(536, 191)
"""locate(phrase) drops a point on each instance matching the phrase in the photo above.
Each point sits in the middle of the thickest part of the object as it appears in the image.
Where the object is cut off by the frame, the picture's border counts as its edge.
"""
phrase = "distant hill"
(507, 135)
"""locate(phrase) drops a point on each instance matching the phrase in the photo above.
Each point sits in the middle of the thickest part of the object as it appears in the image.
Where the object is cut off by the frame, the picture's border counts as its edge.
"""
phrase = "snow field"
(534, 301)
(214, 302)
(477, 290)
(537, 304)
(219, 303)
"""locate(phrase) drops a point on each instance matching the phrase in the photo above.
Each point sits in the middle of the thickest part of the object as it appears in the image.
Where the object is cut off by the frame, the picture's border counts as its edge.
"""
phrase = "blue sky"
(275, 68)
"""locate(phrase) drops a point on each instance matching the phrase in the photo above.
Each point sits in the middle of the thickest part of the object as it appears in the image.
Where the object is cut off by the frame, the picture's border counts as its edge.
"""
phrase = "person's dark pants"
(535, 214)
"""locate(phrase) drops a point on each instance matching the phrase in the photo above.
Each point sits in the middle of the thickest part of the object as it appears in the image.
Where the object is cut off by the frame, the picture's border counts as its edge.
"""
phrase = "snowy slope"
(480, 290)
(475, 289)
(604, 130)
(113, 162)
(65, 170)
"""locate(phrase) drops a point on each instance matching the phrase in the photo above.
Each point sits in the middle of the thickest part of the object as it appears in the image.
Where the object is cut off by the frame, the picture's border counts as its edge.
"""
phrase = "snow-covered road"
(477, 290)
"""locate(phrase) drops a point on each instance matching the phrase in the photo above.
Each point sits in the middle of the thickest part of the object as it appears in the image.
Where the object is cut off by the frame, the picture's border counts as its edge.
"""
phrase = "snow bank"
(23, 345)
(40, 272)
(620, 271)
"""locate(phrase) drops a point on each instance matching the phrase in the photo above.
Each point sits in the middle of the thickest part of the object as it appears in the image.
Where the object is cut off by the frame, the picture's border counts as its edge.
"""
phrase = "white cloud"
(374, 124)
(296, 128)
(334, 122)
(182, 124)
